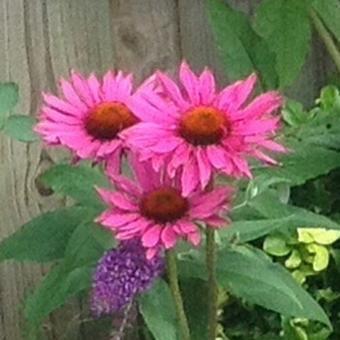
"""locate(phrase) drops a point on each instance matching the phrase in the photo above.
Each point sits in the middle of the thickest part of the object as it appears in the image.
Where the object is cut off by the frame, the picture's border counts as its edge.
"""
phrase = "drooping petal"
(168, 237)
(190, 177)
(151, 237)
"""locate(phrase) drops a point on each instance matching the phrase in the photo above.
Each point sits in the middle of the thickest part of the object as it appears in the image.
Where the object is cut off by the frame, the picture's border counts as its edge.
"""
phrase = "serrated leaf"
(329, 12)
(45, 237)
(241, 49)
(276, 245)
(77, 182)
(58, 286)
(20, 127)
(249, 274)
(159, 313)
(284, 24)
(9, 94)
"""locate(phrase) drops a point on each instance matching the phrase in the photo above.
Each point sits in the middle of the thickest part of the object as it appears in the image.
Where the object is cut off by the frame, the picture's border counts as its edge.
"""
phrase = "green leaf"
(318, 235)
(284, 24)
(329, 98)
(196, 307)
(45, 237)
(20, 127)
(293, 167)
(77, 182)
(57, 287)
(276, 245)
(294, 260)
(9, 94)
(241, 49)
(321, 258)
(159, 313)
(329, 12)
(83, 247)
(276, 216)
(251, 275)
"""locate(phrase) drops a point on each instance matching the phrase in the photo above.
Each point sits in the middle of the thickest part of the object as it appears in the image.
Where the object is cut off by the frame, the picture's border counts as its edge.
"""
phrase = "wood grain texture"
(41, 40)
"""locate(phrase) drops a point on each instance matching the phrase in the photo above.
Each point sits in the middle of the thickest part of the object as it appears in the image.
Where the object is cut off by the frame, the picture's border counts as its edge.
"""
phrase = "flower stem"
(212, 283)
(176, 293)
(326, 38)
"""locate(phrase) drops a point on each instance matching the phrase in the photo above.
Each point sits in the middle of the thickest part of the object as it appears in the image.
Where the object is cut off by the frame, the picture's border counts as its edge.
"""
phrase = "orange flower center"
(164, 205)
(106, 120)
(203, 126)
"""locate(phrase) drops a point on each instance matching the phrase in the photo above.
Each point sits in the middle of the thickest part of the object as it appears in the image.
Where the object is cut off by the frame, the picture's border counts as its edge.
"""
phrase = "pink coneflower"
(202, 131)
(91, 115)
(152, 209)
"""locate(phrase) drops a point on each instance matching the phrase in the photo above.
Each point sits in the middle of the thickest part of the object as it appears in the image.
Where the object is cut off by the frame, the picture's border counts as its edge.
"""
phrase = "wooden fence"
(41, 40)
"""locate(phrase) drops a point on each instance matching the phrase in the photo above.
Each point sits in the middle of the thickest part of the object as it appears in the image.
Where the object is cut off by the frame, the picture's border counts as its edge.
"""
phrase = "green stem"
(176, 293)
(326, 38)
(212, 283)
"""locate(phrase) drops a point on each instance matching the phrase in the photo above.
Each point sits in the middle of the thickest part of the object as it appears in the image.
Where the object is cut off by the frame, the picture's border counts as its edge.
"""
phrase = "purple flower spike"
(120, 275)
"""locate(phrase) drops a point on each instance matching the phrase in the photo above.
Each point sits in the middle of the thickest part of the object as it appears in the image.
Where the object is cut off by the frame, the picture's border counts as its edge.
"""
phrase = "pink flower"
(152, 209)
(91, 115)
(201, 131)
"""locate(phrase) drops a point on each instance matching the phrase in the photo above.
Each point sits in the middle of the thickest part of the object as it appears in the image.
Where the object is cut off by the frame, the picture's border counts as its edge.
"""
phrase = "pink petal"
(151, 237)
(261, 105)
(262, 156)
(166, 145)
(215, 222)
(194, 238)
(216, 156)
(60, 117)
(207, 87)
(62, 105)
(105, 195)
(210, 203)
(125, 185)
(256, 127)
(190, 82)
(151, 253)
(145, 135)
(204, 167)
(124, 87)
(190, 177)
(150, 113)
(71, 96)
(81, 86)
(144, 174)
(172, 90)
(273, 146)
(187, 227)
(122, 202)
(168, 237)
(109, 86)
(94, 87)
(116, 220)
(235, 95)
(242, 165)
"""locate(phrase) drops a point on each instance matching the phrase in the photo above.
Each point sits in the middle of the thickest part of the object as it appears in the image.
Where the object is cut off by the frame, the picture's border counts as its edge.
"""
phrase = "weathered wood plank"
(40, 41)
